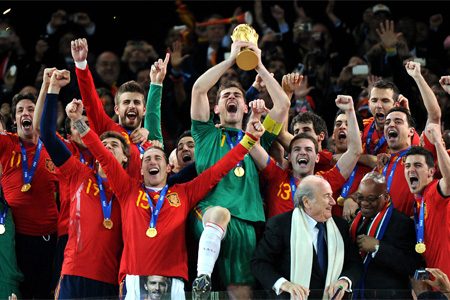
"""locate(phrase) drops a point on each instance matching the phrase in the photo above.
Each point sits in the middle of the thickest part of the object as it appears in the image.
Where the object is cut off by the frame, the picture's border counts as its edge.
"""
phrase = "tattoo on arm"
(81, 126)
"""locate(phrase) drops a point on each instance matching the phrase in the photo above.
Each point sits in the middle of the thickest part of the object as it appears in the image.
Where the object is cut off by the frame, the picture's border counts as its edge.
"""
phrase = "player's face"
(185, 151)
(231, 107)
(417, 173)
(115, 146)
(156, 287)
(303, 157)
(307, 128)
(397, 131)
(340, 132)
(380, 102)
(75, 135)
(24, 118)
(155, 168)
(130, 110)
(371, 198)
(320, 208)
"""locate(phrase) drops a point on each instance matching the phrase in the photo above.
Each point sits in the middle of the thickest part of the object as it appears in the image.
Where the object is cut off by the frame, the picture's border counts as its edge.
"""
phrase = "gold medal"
(25, 188)
(239, 171)
(420, 248)
(2, 229)
(340, 201)
(107, 223)
(151, 232)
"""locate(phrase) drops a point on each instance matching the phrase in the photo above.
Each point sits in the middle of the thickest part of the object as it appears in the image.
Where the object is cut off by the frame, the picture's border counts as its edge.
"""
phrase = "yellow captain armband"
(272, 126)
(248, 141)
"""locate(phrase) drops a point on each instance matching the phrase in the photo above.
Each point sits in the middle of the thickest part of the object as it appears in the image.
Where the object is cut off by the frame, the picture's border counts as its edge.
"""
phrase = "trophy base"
(247, 60)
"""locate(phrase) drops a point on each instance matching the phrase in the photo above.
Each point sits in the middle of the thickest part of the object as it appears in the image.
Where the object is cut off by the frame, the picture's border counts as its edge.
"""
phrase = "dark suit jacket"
(394, 261)
(272, 257)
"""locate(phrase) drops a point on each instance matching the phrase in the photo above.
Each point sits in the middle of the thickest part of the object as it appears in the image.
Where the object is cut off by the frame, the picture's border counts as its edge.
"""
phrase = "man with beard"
(29, 184)
(130, 108)
(157, 287)
(220, 211)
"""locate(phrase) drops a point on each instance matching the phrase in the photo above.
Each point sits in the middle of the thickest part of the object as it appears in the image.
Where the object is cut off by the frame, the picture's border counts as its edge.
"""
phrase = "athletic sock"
(209, 248)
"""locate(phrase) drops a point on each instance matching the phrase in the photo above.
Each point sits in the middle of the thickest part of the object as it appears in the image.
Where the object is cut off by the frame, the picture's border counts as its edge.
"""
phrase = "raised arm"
(152, 121)
(354, 146)
(429, 99)
(258, 153)
(54, 146)
(433, 133)
(41, 98)
(200, 104)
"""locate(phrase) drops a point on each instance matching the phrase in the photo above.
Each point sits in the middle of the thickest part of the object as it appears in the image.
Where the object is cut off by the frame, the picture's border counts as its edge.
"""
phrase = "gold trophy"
(246, 59)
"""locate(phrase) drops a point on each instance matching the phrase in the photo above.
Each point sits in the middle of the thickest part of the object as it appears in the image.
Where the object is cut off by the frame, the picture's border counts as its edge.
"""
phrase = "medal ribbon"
(105, 206)
(159, 204)
(376, 229)
(3, 213)
(293, 186)
(391, 174)
(230, 142)
(83, 161)
(141, 149)
(348, 184)
(419, 220)
(380, 143)
(28, 174)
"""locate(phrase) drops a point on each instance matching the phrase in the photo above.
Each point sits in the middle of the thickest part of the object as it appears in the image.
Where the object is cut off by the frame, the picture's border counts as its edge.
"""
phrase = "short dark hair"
(184, 134)
(358, 119)
(304, 136)
(123, 141)
(229, 84)
(410, 119)
(130, 87)
(384, 84)
(317, 121)
(418, 150)
(19, 97)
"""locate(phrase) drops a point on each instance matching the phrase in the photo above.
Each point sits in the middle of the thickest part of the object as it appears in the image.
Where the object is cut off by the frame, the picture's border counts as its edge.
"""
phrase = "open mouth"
(187, 157)
(342, 136)
(414, 181)
(392, 134)
(154, 171)
(131, 115)
(302, 162)
(379, 117)
(26, 124)
(232, 107)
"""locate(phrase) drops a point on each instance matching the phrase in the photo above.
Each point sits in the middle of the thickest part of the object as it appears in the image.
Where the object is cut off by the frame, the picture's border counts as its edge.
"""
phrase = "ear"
(142, 171)
(431, 172)
(245, 109)
(125, 159)
(306, 203)
(321, 137)
(169, 168)
(216, 109)
(412, 130)
(361, 134)
(317, 158)
(116, 109)
(144, 111)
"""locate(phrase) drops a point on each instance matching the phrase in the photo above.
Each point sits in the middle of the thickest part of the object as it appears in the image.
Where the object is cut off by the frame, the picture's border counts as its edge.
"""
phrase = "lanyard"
(293, 186)
(380, 143)
(3, 213)
(419, 220)
(105, 206)
(28, 173)
(348, 184)
(391, 174)
(83, 161)
(141, 149)
(157, 209)
(232, 145)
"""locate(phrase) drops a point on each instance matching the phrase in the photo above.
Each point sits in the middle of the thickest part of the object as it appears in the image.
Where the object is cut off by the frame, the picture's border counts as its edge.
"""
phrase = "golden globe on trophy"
(246, 59)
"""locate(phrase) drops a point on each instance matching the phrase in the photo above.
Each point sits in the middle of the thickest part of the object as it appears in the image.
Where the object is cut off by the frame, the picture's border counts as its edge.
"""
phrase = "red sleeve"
(202, 184)
(98, 119)
(272, 170)
(429, 146)
(71, 169)
(334, 178)
(116, 174)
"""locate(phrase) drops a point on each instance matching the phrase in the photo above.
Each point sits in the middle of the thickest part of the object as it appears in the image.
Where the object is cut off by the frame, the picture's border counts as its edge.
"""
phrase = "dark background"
(119, 21)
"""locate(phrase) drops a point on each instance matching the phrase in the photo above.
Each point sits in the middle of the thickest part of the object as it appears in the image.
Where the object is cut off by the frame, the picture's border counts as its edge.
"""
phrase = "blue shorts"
(71, 286)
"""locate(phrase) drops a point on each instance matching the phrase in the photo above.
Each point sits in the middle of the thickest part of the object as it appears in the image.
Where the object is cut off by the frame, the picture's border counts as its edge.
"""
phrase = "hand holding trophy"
(246, 59)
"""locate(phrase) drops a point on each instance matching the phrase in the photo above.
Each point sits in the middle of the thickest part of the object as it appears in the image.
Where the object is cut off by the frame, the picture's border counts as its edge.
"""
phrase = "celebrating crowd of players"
(125, 217)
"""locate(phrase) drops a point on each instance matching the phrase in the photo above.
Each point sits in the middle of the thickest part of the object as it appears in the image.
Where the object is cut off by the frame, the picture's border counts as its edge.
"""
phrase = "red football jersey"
(92, 250)
(279, 192)
(324, 163)
(166, 253)
(436, 231)
(35, 211)
(100, 122)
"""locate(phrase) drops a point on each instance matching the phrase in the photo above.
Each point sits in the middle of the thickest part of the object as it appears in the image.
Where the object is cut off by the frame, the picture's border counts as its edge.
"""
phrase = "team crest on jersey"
(126, 136)
(49, 165)
(173, 199)
(425, 211)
